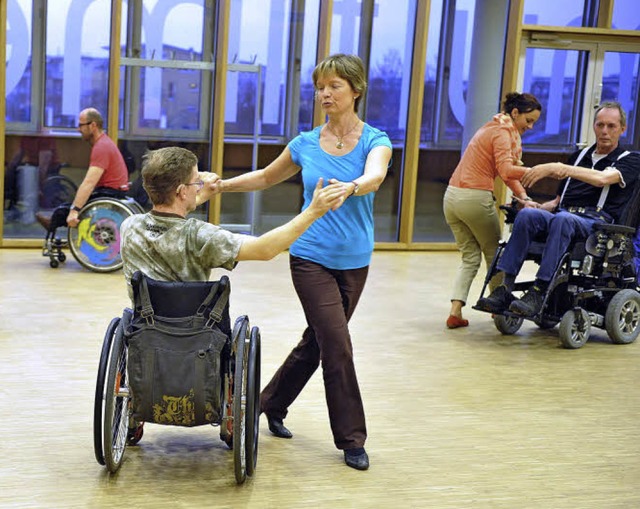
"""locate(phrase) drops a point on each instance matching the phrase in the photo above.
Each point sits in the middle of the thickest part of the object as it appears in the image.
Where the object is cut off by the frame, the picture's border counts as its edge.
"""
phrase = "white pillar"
(485, 70)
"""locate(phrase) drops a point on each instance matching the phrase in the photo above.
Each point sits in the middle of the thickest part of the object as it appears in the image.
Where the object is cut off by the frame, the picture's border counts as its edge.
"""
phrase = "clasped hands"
(331, 196)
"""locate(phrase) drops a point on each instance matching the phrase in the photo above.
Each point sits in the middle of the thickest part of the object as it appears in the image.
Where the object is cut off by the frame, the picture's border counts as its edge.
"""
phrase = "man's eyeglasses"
(198, 183)
(84, 123)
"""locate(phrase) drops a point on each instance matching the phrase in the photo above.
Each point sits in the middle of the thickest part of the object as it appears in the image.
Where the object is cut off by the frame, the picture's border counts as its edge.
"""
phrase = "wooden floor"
(457, 419)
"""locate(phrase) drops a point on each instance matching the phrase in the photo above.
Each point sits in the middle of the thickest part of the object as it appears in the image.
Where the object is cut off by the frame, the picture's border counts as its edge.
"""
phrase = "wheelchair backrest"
(180, 299)
(631, 213)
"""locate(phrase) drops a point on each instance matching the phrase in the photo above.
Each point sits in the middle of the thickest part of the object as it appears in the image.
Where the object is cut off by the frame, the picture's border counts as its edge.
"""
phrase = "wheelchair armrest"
(614, 228)
(510, 211)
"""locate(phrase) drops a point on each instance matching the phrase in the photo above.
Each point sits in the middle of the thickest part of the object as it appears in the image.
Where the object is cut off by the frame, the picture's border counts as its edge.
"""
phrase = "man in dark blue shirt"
(600, 180)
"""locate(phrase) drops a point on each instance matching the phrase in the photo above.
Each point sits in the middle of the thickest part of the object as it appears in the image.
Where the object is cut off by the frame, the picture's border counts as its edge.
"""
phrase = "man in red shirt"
(107, 173)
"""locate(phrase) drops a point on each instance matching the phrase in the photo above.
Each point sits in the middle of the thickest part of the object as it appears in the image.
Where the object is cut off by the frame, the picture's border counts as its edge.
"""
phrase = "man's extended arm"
(560, 171)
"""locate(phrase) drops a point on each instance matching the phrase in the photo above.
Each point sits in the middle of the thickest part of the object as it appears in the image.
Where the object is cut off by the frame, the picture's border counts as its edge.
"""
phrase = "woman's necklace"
(339, 143)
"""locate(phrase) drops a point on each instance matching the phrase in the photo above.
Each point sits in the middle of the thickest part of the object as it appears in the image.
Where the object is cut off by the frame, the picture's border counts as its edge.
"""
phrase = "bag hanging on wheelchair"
(174, 364)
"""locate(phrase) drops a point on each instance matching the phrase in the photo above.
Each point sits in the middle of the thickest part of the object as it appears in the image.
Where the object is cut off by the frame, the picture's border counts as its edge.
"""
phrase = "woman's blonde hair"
(347, 67)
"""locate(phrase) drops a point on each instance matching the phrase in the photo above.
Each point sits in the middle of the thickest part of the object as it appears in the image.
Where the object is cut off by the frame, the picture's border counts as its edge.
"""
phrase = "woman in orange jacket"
(469, 206)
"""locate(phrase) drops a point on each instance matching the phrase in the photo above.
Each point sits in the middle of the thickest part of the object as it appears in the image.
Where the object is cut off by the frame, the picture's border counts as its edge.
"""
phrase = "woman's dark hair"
(524, 103)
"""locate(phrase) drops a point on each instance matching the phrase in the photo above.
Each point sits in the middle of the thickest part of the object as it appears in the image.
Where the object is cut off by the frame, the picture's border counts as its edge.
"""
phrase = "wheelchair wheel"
(98, 406)
(253, 400)
(116, 418)
(95, 243)
(622, 319)
(57, 190)
(508, 325)
(239, 403)
(575, 328)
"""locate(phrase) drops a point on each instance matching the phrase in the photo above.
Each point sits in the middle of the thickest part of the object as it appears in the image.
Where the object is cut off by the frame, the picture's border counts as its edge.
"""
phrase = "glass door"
(571, 79)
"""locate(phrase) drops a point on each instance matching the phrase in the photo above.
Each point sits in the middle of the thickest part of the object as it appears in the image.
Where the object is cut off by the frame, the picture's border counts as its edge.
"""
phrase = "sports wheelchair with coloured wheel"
(594, 285)
(95, 242)
(175, 360)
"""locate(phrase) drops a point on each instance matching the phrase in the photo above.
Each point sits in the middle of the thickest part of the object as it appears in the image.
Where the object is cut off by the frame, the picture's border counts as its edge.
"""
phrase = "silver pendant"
(339, 145)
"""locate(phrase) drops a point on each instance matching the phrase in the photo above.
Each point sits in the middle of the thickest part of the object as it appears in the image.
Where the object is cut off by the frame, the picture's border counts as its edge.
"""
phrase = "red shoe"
(453, 322)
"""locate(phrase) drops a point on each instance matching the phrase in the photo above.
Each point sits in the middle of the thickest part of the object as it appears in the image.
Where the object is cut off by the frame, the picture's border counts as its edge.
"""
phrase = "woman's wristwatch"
(75, 207)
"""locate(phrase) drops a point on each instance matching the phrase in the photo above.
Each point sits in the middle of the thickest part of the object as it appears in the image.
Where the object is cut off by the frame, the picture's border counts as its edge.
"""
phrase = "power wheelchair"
(594, 285)
(128, 394)
(95, 242)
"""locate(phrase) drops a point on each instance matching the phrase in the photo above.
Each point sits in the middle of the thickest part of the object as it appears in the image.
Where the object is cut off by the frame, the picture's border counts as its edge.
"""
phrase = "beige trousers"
(472, 216)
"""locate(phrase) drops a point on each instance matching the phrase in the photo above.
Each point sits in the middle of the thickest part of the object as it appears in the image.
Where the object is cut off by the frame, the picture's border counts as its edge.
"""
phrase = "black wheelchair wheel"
(575, 328)
(253, 400)
(99, 400)
(57, 190)
(116, 418)
(95, 242)
(508, 325)
(239, 403)
(622, 319)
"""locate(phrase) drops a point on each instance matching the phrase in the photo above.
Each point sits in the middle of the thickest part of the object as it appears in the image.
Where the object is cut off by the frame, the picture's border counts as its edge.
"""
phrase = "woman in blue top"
(330, 261)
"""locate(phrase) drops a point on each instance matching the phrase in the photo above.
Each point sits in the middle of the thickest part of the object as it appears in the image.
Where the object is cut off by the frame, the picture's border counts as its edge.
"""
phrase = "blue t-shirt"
(342, 239)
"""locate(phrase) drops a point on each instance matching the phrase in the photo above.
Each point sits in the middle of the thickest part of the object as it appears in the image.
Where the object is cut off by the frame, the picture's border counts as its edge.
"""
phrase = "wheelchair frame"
(95, 243)
(594, 284)
(113, 426)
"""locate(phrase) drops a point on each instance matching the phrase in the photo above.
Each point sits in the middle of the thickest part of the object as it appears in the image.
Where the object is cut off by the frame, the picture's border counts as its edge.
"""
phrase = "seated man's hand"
(327, 198)
(72, 219)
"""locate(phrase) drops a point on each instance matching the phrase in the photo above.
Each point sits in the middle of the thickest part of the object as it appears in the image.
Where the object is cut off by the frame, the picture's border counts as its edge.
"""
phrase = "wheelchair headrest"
(176, 299)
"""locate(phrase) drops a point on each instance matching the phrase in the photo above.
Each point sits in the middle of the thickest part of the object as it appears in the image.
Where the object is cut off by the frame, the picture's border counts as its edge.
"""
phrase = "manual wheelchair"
(594, 285)
(227, 372)
(95, 242)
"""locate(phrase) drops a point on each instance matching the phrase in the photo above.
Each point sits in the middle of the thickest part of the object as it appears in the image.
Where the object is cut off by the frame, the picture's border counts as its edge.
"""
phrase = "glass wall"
(443, 113)
(19, 71)
(626, 15)
(553, 76)
(77, 60)
(259, 36)
(620, 82)
(58, 63)
(556, 12)
(307, 64)
(168, 65)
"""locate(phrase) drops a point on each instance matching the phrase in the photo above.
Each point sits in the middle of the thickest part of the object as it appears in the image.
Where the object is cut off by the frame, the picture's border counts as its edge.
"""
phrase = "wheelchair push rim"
(239, 403)
(95, 242)
(253, 401)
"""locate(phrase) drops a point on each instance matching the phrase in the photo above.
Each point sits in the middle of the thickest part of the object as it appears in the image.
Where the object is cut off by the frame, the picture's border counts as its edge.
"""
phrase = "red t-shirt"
(105, 155)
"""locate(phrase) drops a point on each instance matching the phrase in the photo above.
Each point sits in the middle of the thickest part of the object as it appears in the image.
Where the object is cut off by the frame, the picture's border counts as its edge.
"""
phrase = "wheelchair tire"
(56, 190)
(253, 400)
(240, 399)
(95, 242)
(622, 319)
(508, 325)
(575, 328)
(98, 405)
(117, 398)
